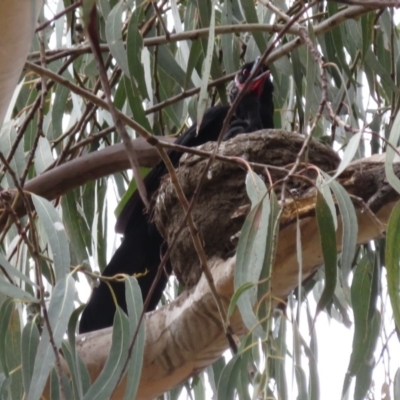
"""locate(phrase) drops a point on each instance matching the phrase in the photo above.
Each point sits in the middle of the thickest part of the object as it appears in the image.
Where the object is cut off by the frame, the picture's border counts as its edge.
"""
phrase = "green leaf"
(349, 230)
(6, 310)
(188, 51)
(384, 74)
(367, 325)
(59, 311)
(390, 153)
(195, 55)
(392, 257)
(135, 103)
(299, 257)
(349, 154)
(255, 188)
(228, 41)
(297, 74)
(79, 233)
(264, 288)
(327, 195)
(55, 389)
(396, 385)
(14, 272)
(43, 155)
(328, 243)
(105, 383)
(114, 36)
(312, 78)
(13, 353)
(249, 260)
(79, 374)
(168, 64)
(134, 304)
(29, 346)
(238, 292)
(249, 10)
(74, 364)
(8, 139)
(56, 235)
(229, 378)
(129, 192)
(134, 48)
(58, 109)
(300, 374)
(203, 96)
(314, 385)
(15, 292)
(5, 384)
(279, 360)
(361, 301)
(367, 27)
(255, 254)
(364, 374)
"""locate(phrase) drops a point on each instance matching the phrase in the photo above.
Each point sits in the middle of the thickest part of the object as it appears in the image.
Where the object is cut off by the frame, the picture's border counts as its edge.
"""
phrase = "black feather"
(141, 248)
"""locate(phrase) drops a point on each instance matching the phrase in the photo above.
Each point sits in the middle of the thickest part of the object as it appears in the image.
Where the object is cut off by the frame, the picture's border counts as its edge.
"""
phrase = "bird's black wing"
(209, 131)
(140, 250)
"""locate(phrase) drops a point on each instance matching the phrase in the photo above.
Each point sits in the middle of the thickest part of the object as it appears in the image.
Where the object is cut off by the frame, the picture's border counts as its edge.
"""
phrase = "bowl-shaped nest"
(220, 207)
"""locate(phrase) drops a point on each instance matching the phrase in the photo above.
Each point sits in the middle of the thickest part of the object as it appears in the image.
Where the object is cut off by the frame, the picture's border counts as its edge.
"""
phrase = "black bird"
(141, 248)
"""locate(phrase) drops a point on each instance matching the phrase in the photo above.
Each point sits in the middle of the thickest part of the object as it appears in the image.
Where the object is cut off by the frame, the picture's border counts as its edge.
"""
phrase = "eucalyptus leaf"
(392, 256)
(56, 235)
(59, 311)
(105, 383)
(135, 308)
(328, 243)
(203, 97)
(29, 346)
(114, 36)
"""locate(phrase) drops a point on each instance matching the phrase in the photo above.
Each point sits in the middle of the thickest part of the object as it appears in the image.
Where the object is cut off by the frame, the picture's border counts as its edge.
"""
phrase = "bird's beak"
(258, 83)
(256, 86)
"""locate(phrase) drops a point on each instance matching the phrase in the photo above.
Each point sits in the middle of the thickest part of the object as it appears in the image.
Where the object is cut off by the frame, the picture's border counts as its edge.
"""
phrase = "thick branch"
(16, 32)
(92, 166)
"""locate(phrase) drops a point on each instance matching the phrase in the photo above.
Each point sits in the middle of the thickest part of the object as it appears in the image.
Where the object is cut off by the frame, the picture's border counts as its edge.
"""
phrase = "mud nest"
(218, 212)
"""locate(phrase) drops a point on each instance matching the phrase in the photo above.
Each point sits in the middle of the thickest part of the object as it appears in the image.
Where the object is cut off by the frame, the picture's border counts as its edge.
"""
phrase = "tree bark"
(17, 25)
(89, 167)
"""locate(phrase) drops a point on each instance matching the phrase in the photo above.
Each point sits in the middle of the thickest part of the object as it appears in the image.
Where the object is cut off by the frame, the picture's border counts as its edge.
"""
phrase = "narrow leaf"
(59, 311)
(109, 376)
(15, 292)
(12, 271)
(249, 261)
(134, 48)
(203, 96)
(349, 154)
(349, 231)
(360, 295)
(229, 378)
(134, 303)
(250, 14)
(114, 36)
(43, 155)
(328, 243)
(29, 346)
(56, 235)
(392, 257)
(5, 316)
(390, 153)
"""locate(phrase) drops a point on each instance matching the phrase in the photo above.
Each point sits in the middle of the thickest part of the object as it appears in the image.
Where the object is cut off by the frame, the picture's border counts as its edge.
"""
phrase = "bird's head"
(258, 96)
(261, 83)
